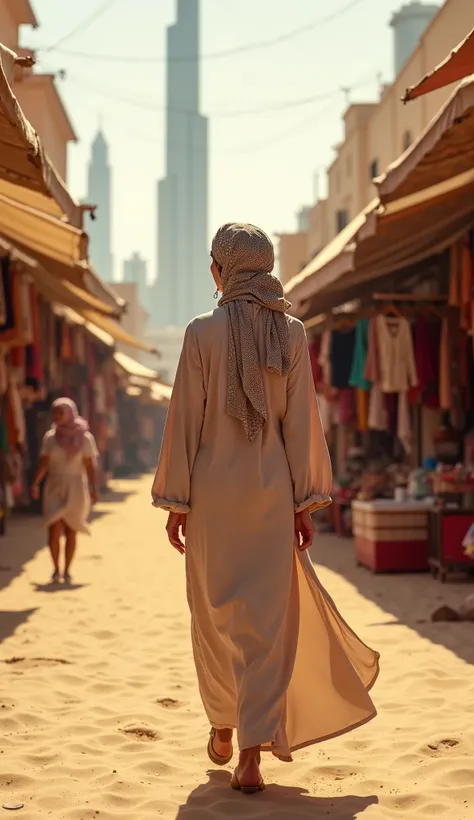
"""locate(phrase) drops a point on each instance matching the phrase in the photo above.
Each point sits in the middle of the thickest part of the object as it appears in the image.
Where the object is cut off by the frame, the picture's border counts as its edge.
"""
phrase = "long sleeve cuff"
(314, 502)
(171, 506)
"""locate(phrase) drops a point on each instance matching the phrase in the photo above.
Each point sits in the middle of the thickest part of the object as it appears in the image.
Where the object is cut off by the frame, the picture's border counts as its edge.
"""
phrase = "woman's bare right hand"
(304, 529)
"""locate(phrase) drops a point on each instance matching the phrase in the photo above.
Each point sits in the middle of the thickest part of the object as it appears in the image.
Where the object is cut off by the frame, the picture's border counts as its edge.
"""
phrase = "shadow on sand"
(11, 620)
(409, 597)
(54, 588)
(216, 799)
(22, 541)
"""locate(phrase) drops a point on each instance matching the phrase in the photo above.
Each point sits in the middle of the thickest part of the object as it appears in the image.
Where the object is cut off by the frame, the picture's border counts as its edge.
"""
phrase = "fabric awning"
(56, 245)
(42, 233)
(161, 393)
(75, 318)
(405, 237)
(334, 260)
(52, 287)
(445, 149)
(134, 368)
(459, 64)
(23, 160)
(117, 332)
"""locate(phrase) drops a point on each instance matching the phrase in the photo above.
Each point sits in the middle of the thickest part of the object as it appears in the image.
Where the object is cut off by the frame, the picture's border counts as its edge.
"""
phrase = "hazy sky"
(262, 163)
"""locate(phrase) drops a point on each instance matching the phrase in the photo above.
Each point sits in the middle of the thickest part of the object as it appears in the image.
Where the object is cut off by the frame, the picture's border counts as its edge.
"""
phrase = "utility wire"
(215, 114)
(235, 150)
(81, 27)
(110, 94)
(217, 55)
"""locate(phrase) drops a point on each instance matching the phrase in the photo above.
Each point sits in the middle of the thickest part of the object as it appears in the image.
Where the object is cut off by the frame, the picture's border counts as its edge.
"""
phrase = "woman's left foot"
(67, 578)
(55, 577)
(220, 750)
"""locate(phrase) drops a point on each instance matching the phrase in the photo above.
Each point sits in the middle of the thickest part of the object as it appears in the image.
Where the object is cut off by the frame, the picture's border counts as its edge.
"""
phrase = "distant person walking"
(68, 461)
(243, 464)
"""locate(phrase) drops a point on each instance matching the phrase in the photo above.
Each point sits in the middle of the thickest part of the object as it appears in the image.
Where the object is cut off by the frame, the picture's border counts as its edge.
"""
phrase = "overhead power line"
(111, 94)
(82, 26)
(217, 55)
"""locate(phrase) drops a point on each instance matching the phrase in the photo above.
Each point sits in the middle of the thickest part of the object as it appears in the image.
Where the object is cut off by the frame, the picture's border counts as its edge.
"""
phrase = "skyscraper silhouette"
(99, 193)
(183, 288)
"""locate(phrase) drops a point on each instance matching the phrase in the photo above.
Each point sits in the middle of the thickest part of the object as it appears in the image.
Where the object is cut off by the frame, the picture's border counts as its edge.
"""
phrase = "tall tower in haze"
(183, 287)
(99, 193)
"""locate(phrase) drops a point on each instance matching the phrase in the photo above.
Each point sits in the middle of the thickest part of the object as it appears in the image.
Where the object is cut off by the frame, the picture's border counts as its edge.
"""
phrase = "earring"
(216, 295)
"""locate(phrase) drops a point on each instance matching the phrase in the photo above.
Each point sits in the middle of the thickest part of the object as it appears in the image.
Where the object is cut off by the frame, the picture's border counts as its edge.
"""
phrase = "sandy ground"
(100, 715)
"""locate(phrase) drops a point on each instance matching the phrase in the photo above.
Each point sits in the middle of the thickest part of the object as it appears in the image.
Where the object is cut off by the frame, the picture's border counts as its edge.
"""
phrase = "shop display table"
(391, 536)
(447, 528)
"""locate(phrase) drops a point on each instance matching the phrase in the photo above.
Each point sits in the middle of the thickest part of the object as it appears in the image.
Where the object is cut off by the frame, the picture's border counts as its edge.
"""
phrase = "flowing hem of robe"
(330, 675)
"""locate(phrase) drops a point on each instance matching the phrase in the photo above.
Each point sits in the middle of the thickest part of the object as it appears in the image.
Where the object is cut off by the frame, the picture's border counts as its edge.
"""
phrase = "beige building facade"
(37, 93)
(375, 134)
(134, 320)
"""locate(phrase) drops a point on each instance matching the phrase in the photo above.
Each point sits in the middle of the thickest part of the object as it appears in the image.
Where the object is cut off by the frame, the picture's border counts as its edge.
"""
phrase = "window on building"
(342, 219)
(407, 140)
(374, 169)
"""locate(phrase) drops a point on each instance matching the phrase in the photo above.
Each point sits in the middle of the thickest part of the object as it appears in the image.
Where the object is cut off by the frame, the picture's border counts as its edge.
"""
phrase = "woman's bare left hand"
(176, 529)
(304, 529)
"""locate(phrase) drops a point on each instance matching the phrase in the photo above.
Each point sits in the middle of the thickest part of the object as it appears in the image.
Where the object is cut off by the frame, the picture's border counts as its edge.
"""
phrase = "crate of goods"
(449, 528)
(391, 536)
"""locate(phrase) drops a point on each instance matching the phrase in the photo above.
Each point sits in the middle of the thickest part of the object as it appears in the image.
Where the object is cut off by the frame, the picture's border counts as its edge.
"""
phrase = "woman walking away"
(243, 465)
(68, 459)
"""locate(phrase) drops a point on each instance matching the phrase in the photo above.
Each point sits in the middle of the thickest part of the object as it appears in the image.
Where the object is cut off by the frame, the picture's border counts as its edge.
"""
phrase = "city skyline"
(99, 193)
(182, 225)
(275, 111)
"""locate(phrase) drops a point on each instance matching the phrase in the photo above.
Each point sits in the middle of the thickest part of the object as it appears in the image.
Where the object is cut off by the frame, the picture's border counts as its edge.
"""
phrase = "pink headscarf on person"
(70, 433)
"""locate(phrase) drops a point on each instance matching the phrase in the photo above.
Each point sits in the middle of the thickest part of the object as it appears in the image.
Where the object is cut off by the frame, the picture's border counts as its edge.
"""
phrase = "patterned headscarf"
(70, 433)
(245, 255)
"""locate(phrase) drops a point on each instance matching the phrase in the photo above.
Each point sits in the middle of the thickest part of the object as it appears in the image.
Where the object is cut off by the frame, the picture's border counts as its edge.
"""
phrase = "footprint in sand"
(440, 746)
(170, 703)
(28, 663)
(140, 733)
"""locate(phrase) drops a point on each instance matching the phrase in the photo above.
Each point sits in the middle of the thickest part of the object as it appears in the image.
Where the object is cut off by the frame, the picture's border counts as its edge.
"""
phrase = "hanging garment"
(426, 337)
(359, 361)
(454, 298)
(396, 356)
(466, 284)
(362, 403)
(325, 359)
(25, 317)
(347, 406)
(444, 371)
(3, 371)
(372, 364)
(314, 348)
(378, 417)
(15, 416)
(8, 328)
(342, 352)
(100, 394)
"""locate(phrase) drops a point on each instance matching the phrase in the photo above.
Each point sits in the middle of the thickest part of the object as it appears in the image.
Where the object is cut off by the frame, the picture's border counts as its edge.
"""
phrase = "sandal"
(213, 756)
(55, 577)
(235, 784)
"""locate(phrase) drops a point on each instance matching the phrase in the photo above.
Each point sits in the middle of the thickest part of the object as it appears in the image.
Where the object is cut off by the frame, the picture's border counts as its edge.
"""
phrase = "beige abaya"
(273, 656)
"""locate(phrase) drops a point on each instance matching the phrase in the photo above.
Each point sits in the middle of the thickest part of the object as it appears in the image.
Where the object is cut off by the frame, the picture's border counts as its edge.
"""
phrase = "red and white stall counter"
(391, 536)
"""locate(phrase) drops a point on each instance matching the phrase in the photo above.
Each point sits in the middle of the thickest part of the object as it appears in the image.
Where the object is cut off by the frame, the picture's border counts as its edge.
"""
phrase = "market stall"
(394, 376)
